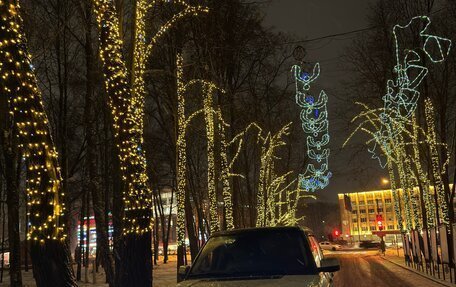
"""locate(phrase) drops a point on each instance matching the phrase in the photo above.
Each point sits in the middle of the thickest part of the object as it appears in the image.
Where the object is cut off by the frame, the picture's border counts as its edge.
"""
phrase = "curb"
(441, 282)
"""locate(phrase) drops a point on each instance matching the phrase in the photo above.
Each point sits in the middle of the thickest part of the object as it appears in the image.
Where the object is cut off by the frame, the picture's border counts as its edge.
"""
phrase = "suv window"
(255, 253)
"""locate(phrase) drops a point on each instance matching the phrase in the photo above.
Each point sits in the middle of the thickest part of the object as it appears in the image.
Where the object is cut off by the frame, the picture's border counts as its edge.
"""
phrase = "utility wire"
(331, 36)
(347, 33)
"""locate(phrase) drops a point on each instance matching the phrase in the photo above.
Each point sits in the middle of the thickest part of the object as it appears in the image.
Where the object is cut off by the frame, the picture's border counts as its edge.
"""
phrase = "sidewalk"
(164, 276)
(398, 259)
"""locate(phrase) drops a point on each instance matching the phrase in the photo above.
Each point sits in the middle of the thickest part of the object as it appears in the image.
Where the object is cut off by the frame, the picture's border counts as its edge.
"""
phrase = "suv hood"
(290, 281)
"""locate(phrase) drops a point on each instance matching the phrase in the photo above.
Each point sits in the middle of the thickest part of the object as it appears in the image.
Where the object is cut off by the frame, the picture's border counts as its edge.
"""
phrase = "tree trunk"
(78, 253)
(136, 268)
(11, 172)
(51, 264)
(135, 253)
(50, 256)
(91, 155)
(12, 194)
(193, 239)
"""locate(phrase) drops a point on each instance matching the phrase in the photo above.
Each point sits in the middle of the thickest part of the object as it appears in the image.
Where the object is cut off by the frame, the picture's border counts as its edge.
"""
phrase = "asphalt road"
(366, 268)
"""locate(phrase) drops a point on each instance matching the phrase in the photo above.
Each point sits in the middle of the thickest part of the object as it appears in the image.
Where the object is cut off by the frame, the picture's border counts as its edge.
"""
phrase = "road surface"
(366, 268)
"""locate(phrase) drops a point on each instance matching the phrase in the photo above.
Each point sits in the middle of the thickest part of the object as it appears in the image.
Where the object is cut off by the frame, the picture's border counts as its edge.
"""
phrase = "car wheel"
(333, 249)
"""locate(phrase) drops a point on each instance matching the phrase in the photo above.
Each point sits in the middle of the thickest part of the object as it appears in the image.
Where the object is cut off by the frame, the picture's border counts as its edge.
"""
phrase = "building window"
(391, 227)
(361, 203)
(388, 200)
(371, 210)
(355, 228)
(355, 212)
(363, 219)
(372, 228)
(370, 202)
(364, 228)
(380, 209)
(362, 211)
(355, 220)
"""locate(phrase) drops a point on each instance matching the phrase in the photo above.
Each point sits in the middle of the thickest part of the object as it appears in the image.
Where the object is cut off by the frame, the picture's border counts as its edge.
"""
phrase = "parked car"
(326, 245)
(369, 244)
(274, 256)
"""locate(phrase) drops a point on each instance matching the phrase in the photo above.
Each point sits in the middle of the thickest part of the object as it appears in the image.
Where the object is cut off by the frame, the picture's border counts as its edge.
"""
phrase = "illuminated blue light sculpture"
(402, 94)
(314, 117)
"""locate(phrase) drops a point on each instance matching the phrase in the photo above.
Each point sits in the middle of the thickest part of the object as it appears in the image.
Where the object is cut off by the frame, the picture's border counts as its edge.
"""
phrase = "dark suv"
(273, 256)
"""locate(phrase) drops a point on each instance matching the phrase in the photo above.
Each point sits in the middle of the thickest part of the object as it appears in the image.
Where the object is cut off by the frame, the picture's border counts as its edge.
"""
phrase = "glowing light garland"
(397, 206)
(265, 198)
(143, 50)
(435, 160)
(429, 204)
(18, 83)
(127, 127)
(208, 90)
(314, 117)
(405, 186)
(225, 172)
(128, 104)
(402, 94)
(181, 147)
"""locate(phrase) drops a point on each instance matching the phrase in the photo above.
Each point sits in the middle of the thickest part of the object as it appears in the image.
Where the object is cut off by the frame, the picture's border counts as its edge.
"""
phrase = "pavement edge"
(441, 282)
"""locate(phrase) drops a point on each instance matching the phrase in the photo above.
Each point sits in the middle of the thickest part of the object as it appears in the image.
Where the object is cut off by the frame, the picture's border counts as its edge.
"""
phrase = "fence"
(432, 251)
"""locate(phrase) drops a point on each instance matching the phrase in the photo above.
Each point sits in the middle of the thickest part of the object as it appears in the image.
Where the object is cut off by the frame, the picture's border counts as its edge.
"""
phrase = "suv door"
(326, 279)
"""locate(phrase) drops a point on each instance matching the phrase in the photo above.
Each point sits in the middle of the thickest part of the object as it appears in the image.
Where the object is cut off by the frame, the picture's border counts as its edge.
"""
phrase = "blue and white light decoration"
(314, 117)
(402, 94)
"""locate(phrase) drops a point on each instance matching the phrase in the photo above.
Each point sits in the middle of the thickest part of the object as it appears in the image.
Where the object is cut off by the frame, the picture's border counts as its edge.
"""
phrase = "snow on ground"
(164, 276)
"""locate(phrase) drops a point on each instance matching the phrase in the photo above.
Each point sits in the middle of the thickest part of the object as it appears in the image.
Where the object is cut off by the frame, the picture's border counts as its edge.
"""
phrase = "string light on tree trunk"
(182, 123)
(127, 127)
(435, 160)
(18, 83)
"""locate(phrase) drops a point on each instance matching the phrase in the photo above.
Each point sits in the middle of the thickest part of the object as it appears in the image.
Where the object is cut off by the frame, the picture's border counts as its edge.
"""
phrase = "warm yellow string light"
(435, 160)
(211, 189)
(269, 145)
(127, 127)
(397, 207)
(225, 173)
(143, 49)
(181, 147)
(429, 204)
(18, 82)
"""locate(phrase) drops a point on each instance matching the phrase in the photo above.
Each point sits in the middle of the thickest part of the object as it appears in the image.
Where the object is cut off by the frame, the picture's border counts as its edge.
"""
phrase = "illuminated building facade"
(359, 210)
(359, 215)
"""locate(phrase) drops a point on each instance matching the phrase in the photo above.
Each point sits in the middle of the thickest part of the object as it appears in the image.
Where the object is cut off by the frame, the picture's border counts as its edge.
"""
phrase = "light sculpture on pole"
(314, 117)
(402, 94)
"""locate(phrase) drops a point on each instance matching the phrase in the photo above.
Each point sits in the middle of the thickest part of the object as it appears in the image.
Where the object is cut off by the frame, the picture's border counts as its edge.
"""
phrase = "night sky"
(309, 19)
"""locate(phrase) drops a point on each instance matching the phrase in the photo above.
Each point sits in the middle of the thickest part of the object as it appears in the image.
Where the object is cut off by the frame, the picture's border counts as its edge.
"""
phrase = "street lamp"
(385, 181)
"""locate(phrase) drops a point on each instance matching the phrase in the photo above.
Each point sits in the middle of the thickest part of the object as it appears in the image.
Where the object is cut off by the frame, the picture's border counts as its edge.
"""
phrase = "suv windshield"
(255, 253)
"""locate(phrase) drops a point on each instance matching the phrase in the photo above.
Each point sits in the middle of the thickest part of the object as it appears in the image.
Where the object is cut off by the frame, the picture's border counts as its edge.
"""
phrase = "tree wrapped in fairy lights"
(49, 253)
(393, 128)
(402, 93)
(314, 117)
(126, 93)
(277, 201)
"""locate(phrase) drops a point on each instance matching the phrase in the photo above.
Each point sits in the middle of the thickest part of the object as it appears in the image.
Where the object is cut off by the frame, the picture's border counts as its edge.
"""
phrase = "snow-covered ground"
(368, 268)
(164, 276)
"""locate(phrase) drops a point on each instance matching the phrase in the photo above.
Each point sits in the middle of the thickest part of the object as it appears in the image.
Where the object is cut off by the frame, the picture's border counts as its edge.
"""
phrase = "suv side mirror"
(183, 271)
(329, 265)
